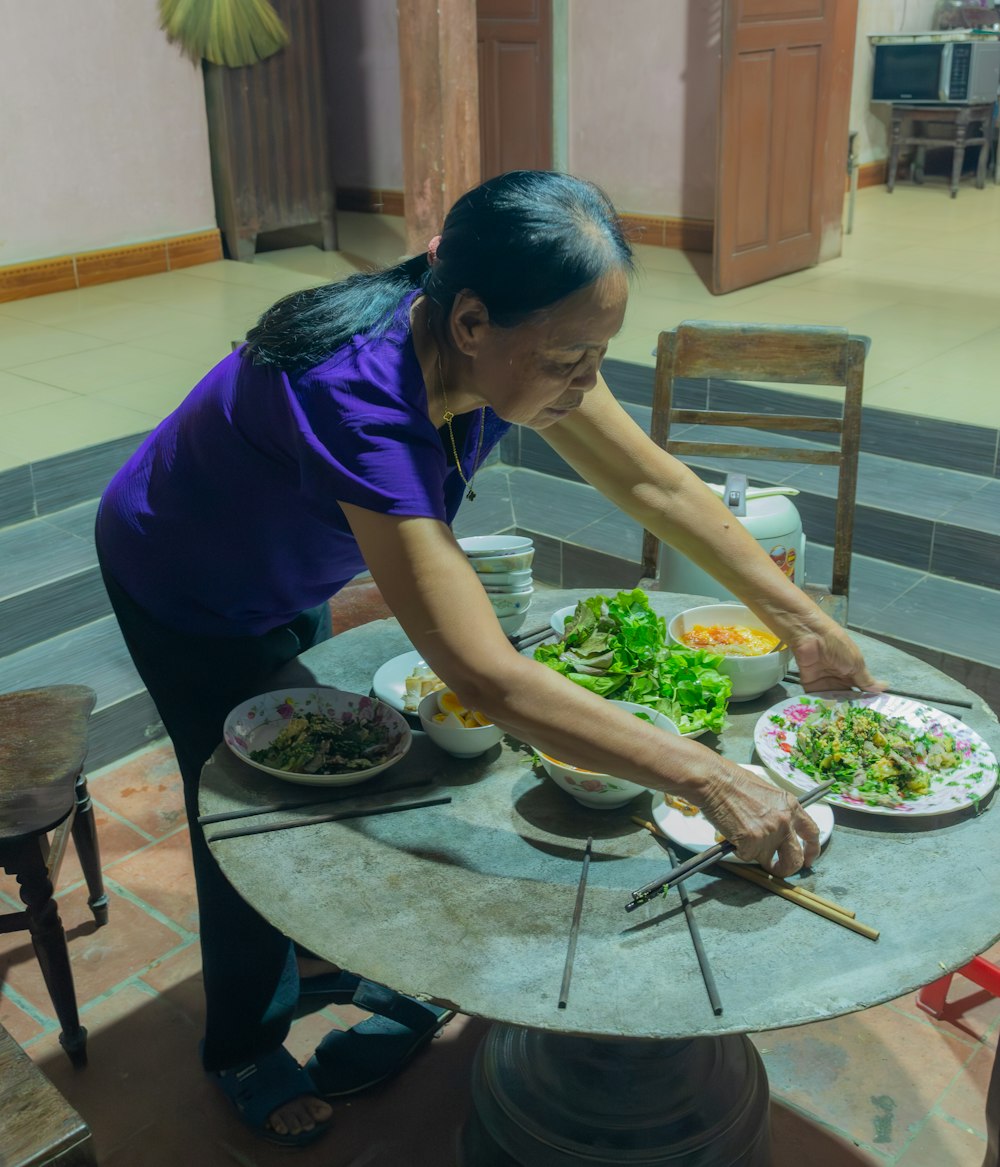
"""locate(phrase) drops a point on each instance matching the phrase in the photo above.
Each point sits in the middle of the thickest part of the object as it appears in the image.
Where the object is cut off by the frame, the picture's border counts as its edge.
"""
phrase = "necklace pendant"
(471, 496)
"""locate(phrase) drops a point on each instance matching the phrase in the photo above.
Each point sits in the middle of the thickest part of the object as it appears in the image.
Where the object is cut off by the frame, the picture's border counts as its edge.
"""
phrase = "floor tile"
(942, 1142)
(872, 1076)
(798, 1140)
(17, 393)
(108, 367)
(963, 1101)
(115, 840)
(46, 431)
(161, 875)
(21, 1025)
(145, 790)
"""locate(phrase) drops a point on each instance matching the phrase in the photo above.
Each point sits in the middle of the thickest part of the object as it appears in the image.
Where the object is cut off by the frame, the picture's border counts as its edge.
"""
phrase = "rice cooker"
(769, 516)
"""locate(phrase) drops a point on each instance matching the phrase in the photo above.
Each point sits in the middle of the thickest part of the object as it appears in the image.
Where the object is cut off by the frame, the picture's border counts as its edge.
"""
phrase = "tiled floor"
(918, 275)
(890, 1085)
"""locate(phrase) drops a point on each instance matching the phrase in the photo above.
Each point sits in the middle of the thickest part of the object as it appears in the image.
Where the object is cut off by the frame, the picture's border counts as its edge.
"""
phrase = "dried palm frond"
(225, 32)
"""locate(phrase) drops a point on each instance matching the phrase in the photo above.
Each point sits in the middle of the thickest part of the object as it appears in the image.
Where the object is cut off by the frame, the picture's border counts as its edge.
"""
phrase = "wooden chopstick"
(762, 879)
(708, 857)
(519, 638)
(791, 675)
(531, 641)
(246, 812)
(336, 816)
(574, 929)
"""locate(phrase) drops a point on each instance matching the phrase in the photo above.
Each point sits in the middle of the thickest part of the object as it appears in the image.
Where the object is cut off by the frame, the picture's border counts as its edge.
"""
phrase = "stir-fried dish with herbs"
(873, 757)
(314, 743)
(619, 648)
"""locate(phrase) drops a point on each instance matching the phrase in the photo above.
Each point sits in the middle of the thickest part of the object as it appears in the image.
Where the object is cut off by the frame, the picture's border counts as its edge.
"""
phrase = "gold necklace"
(448, 418)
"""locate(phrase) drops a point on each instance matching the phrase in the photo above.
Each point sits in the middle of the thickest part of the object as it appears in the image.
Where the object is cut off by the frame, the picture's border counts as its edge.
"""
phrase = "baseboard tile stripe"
(65, 272)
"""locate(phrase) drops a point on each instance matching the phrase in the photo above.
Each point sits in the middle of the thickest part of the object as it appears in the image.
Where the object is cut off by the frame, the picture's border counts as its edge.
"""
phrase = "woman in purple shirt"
(340, 438)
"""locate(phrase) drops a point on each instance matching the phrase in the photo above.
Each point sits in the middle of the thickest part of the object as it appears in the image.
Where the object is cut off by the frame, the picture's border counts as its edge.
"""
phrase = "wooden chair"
(794, 354)
(43, 744)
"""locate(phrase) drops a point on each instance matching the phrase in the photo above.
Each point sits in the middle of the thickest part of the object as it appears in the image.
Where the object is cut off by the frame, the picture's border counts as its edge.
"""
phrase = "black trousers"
(250, 977)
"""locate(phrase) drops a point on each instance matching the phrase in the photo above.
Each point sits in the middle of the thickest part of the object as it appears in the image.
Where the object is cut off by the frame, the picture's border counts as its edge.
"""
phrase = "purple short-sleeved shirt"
(227, 520)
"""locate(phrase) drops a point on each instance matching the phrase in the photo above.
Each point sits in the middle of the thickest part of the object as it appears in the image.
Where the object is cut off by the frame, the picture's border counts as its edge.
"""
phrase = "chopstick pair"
(804, 898)
(574, 928)
(335, 817)
(532, 637)
(699, 950)
(707, 858)
(346, 792)
(959, 702)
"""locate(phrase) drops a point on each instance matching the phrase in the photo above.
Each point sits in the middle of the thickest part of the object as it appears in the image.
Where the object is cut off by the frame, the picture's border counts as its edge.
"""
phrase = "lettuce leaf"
(618, 647)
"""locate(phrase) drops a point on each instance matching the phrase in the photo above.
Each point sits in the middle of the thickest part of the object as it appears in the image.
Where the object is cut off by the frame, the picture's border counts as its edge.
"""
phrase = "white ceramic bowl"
(559, 618)
(488, 565)
(510, 603)
(751, 675)
(254, 724)
(510, 580)
(478, 545)
(602, 791)
(453, 737)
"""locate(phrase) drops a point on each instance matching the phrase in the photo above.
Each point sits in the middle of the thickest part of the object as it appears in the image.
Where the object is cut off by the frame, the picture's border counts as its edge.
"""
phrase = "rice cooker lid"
(769, 512)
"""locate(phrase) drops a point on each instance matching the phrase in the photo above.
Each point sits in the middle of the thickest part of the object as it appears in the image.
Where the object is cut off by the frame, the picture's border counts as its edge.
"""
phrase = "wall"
(103, 137)
(363, 97)
(880, 16)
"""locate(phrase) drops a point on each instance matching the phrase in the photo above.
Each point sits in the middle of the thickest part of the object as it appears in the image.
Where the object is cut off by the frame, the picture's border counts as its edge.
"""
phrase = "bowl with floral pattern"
(317, 736)
(602, 791)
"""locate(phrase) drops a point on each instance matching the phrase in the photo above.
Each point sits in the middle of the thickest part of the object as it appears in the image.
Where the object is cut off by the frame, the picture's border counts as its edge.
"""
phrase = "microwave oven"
(961, 72)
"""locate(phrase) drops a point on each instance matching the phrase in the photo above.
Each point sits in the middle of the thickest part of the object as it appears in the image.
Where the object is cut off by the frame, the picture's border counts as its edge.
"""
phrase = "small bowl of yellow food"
(459, 731)
(752, 655)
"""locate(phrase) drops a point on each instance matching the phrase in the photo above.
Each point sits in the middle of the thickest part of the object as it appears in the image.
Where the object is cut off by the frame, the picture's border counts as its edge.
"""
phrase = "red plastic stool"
(981, 972)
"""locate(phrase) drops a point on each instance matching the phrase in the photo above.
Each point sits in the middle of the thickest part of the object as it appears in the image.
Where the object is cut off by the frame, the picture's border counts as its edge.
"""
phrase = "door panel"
(785, 93)
(515, 84)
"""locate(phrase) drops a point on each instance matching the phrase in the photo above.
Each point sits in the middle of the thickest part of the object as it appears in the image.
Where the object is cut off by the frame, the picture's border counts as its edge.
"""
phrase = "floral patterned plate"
(950, 790)
(694, 832)
(257, 722)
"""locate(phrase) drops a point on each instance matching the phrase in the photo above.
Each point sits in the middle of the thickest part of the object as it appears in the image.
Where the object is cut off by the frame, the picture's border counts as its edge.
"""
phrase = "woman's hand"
(832, 661)
(766, 825)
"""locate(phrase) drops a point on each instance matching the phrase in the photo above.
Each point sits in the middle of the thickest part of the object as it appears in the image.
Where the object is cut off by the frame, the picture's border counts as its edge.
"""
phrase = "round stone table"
(469, 904)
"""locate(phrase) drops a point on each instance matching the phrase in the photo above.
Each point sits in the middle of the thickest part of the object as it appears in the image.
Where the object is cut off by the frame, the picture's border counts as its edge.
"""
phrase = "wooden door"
(783, 132)
(515, 85)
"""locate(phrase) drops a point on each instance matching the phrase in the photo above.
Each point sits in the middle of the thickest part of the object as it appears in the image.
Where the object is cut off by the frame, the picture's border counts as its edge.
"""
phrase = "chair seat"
(43, 743)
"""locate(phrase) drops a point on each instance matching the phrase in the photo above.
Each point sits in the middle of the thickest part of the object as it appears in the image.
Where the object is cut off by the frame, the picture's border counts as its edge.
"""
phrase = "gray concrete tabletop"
(470, 903)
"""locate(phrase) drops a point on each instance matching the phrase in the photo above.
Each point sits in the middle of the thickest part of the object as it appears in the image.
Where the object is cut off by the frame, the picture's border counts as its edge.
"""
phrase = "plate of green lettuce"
(618, 647)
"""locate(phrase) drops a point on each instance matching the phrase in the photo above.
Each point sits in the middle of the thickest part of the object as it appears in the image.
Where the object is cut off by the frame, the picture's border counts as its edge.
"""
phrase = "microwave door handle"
(944, 79)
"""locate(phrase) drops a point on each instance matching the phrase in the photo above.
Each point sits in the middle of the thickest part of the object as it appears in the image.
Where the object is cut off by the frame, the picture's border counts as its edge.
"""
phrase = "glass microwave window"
(907, 72)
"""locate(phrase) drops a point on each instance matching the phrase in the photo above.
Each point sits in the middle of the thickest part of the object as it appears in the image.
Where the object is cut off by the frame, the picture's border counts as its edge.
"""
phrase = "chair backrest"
(793, 354)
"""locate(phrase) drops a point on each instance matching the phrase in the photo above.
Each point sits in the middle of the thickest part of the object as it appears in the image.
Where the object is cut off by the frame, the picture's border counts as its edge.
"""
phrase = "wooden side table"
(921, 117)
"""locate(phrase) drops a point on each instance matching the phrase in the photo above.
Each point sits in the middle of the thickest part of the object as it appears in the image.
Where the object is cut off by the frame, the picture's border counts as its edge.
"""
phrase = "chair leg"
(85, 840)
(49, 942)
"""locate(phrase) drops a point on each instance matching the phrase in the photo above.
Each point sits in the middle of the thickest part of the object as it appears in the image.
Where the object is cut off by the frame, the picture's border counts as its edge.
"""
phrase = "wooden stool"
(40, 1128)
(43, 743)
(922, 116)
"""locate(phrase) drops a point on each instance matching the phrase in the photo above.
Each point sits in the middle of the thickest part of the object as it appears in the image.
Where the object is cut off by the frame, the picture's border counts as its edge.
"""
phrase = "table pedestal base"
(548, 1100)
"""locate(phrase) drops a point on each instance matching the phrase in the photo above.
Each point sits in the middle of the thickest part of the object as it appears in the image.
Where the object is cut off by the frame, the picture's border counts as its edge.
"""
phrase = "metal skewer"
(575, 926)
(336, 816)
(345, 793)
(699, 951)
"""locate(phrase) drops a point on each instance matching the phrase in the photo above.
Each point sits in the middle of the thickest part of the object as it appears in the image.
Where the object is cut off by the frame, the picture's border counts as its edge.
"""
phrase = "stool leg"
(932, 997)
(85, 840)
(897, 141)
(961, 129)
(49, 942)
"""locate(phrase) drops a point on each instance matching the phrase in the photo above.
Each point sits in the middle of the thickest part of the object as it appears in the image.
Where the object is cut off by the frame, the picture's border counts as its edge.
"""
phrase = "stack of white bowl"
(503, 563)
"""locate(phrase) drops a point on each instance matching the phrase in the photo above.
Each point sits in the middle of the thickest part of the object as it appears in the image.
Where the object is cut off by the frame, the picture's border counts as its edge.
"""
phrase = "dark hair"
(520, 242)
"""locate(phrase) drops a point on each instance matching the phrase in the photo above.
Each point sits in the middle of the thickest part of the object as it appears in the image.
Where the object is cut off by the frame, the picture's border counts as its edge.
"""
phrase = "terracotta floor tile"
(162, 876)
(943, 1144)
(100, 957)
(115, 840)
(20, 1025)
(146, 791)
(965, 1099)
(872, 1076)
(178, 978)
(797, 1139)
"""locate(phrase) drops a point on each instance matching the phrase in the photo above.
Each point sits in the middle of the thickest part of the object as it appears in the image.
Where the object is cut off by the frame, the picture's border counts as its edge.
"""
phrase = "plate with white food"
(685, 825)
(404, 681)
(888, 755)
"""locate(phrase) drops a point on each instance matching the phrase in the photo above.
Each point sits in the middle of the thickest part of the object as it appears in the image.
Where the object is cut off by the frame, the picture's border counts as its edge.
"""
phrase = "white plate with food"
(390, 682)
(317, 736)
(889, 755)
(686, 826)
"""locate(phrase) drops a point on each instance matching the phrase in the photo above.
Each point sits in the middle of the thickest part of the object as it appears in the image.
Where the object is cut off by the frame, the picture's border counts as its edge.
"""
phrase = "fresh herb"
(618, 647)
(314, 743)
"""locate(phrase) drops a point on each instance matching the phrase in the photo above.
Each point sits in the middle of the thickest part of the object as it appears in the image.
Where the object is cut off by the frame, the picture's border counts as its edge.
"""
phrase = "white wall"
(103, 136)
(880, 16)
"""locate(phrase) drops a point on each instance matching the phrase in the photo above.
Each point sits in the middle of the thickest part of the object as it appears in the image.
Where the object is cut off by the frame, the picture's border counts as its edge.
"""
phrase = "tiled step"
(94, 654)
